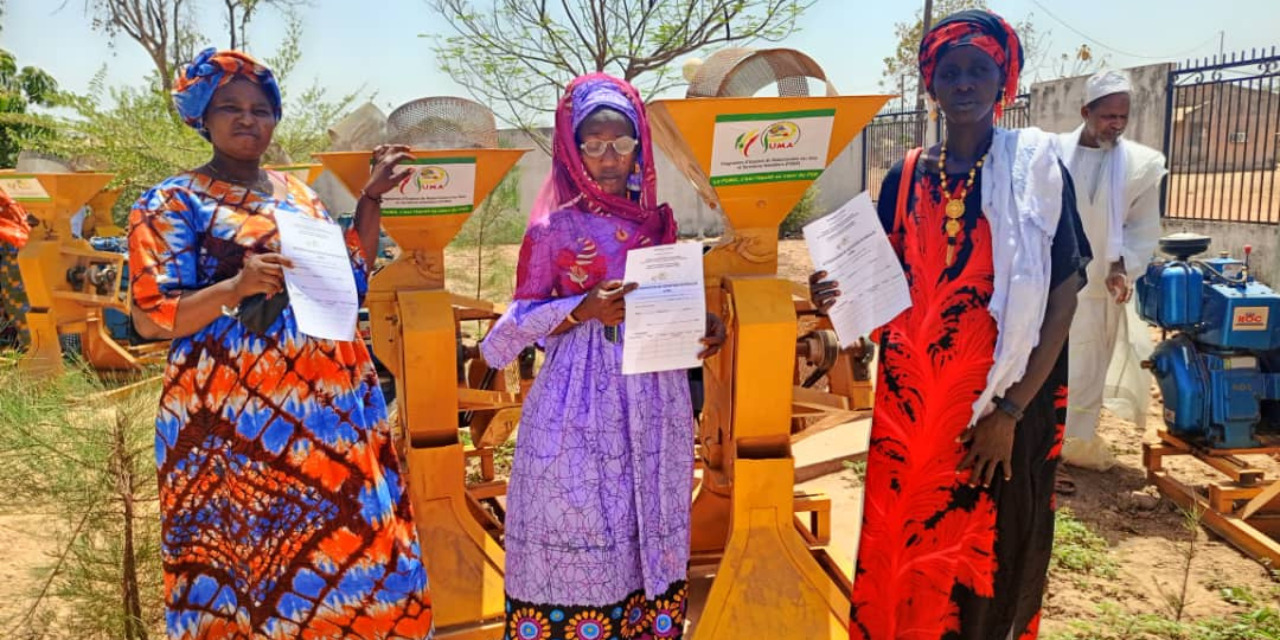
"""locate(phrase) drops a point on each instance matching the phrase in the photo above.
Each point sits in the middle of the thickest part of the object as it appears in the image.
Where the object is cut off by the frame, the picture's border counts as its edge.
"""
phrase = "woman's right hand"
(262, 273)
(823, 292)
(606, 303)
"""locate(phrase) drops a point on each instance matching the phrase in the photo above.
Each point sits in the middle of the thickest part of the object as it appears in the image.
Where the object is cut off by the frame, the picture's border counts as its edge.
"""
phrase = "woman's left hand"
(387, 172)
(990, 446)
(715, 337)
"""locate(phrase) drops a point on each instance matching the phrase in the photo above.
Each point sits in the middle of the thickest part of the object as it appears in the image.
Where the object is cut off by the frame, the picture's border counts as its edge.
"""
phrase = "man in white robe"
(1118, 193)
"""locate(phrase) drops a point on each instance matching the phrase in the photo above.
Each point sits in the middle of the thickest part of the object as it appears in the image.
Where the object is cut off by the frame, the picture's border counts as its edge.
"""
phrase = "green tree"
(168, 30)
(21, 88)
(803, 213)
(308, 113)
(520, 54)
(128, 131)
(499, 221)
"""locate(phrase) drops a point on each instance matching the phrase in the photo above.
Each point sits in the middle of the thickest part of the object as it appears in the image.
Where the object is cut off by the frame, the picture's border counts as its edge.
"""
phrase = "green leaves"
(19, 89)
(139, 139)
(518, 57)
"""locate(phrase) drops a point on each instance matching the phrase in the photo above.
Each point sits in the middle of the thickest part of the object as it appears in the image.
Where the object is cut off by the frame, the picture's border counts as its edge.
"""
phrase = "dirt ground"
(1145, 537)
(1149, 540)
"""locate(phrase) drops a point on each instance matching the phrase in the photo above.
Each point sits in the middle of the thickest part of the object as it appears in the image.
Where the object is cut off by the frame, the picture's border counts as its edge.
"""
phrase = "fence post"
(1169, 106)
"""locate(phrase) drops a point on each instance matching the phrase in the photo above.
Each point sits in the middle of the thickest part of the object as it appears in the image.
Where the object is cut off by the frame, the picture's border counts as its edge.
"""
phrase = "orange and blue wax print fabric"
(196, 84)
(284, 505)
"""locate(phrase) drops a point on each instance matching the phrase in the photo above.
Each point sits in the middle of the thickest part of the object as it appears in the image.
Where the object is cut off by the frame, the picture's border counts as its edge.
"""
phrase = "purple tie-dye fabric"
(599, 499)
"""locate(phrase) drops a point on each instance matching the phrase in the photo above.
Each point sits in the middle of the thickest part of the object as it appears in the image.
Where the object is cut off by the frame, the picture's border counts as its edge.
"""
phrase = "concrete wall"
(1055, 105)
(1232, 237)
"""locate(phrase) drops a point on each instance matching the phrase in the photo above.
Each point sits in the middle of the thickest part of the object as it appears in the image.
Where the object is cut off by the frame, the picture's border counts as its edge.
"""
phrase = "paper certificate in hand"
(851, 246)
(321, 285)
(667, 313)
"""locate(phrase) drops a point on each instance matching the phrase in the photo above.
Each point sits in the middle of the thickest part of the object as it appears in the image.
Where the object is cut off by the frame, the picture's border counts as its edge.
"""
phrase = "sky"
(374, 46)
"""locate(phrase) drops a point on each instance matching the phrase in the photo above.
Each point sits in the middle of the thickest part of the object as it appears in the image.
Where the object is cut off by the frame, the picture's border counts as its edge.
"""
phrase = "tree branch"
(519, 54)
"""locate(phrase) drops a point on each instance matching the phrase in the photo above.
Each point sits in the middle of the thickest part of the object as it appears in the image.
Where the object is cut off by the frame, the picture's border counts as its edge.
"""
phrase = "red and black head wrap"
(977, 28)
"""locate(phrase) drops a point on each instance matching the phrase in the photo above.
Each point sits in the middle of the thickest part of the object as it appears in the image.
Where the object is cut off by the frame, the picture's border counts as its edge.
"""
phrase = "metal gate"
(890, 135)
(1222, 139)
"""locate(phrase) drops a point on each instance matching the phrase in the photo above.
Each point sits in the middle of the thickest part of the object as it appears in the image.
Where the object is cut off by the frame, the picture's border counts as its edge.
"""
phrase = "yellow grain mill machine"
(69, 285)
(753, 158)
(441, 382)
(742, 72)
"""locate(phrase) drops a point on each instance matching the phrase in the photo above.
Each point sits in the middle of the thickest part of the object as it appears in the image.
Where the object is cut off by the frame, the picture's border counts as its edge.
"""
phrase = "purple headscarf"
(599, 93)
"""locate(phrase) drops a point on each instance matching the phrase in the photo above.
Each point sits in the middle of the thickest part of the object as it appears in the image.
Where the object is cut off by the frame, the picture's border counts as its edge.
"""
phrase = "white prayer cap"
(1105, 83)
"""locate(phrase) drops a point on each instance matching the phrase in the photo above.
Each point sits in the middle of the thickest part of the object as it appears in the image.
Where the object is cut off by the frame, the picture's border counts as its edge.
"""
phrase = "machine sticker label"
(1170, 416)
(754, 148)
(1250, 319)
(24, 188)
(437, 187)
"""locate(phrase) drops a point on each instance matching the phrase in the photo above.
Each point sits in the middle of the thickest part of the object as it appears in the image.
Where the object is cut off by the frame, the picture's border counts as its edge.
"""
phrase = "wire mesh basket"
(742, 72)
(443, 123)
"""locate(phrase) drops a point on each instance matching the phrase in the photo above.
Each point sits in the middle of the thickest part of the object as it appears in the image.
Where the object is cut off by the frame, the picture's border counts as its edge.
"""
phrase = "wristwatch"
(1009, 407)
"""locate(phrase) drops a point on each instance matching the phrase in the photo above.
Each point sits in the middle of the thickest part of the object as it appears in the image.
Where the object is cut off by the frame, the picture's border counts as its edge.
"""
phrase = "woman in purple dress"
(598, 506)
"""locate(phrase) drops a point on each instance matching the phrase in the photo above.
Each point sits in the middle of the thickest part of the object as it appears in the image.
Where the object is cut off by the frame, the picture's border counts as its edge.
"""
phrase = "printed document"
(321, 285)
(667, 314)
(851, 246)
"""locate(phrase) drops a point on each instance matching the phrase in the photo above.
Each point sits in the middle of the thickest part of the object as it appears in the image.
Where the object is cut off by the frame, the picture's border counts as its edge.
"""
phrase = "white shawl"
(1022, 201)
(1133, 170)
(1117, 207)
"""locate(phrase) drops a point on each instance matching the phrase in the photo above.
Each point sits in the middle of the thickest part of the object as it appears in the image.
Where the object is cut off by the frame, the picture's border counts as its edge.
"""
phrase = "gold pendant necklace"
(954, 206)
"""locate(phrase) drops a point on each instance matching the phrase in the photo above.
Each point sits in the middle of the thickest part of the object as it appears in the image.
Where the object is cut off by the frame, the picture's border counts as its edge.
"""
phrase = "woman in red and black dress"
(958, 521)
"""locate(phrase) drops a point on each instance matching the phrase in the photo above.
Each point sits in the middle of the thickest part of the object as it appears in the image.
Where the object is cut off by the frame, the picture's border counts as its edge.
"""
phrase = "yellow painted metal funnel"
(53, 197)
(100, 221)
(757, 156)
(427, 231)
(104, 201)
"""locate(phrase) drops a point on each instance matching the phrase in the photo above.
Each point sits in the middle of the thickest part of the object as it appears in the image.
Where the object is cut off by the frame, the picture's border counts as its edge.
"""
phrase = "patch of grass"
(1077, 549)
(1241, 596)
(859, 469)
(85, 461)
(1260, 623)
(1245, 596)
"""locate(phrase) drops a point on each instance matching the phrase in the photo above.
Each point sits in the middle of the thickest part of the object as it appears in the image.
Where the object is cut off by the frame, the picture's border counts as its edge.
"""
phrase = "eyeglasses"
(621, 146)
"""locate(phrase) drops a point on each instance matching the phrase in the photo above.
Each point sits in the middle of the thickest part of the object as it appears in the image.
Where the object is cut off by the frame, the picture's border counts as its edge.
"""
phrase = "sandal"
(1064, 484)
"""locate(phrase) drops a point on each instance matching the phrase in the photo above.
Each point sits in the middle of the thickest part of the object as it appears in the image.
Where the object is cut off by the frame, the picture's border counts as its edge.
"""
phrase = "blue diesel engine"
(1218, 367)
